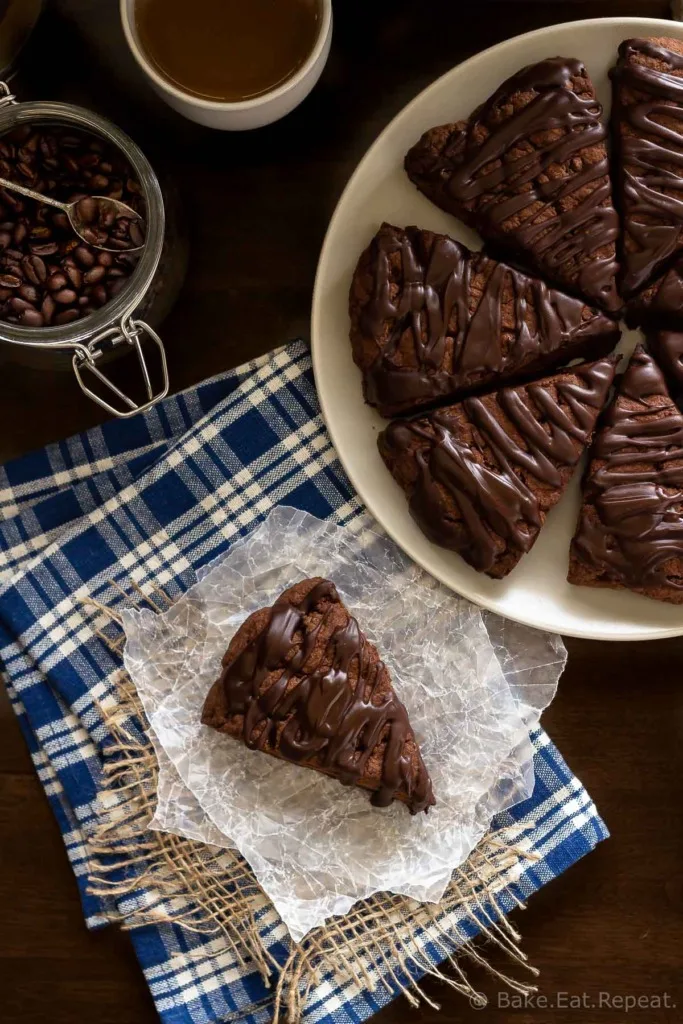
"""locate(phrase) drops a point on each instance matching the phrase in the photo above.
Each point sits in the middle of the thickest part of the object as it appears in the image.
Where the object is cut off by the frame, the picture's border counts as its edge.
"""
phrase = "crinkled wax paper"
(473, 686)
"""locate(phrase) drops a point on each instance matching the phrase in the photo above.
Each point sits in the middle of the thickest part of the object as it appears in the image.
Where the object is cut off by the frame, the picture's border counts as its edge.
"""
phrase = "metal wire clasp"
(128, 332)
(7, 97)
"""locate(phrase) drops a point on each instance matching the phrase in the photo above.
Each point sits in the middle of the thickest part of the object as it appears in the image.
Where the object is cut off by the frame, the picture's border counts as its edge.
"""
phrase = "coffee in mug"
(227, 50)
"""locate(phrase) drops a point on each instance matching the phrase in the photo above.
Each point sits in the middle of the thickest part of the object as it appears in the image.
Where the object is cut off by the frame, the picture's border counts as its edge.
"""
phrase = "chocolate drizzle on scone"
(301, 681)
(667, 349)
(482, 475)
(660, 304)
(431, 320)
(648, 125)
(529, 171)
(630, 531)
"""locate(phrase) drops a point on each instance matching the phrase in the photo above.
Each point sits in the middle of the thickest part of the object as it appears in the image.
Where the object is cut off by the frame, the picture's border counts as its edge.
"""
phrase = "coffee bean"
(15, 204)
(44, 248)
(115, 286)
(100, 182)
(56, 281)
(20, 233)
(67, 316)
(47, 308)
(19, 305)
(48, 147)
(84, 256)
(105, 259)
(99, 295)
(31, 318)
(94, 236)
(136, 235)
(5, 293)
(86, 210)
(94, 275)
(29, 292)
(107, 217)
(34, 268)
(10, 281)
(75, 275)
(60, 220)
(40, 231)
(65, 297)
(5, 239)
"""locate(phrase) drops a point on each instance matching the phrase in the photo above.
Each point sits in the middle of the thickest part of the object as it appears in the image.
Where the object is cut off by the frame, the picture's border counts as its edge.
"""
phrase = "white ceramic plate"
(536, 592)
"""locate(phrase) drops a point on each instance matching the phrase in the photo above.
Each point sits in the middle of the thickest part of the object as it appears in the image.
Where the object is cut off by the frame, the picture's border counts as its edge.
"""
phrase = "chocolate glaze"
(635, 486)
(667, 348)
(660, 304)
(434, 302)
(327, 720)
(485, 469)
(503, 193)
(650, 159)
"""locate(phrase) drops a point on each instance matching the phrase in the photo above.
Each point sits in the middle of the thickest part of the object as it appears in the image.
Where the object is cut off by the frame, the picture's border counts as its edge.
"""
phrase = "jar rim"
(81, 331)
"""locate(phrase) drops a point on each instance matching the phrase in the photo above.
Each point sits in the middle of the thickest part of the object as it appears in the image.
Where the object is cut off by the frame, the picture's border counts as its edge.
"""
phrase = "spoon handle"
(48, 200)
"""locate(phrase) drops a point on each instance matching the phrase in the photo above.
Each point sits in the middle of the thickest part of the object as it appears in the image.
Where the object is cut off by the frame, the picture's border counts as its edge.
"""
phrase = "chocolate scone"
(430, 319)
(660, 304)
(647, 121)
(301, 682)
(667, 349)
(630, 530)
(482, 475)
(529, 171)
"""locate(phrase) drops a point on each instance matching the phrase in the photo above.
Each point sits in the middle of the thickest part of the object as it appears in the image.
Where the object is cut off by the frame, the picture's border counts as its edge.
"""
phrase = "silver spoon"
(91, 217)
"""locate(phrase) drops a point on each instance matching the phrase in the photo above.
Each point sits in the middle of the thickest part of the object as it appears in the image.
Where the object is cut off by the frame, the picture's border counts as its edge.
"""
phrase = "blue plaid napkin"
(150, 500)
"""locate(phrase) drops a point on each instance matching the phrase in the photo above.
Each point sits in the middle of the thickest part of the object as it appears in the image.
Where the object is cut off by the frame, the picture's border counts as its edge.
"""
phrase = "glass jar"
(128, 319)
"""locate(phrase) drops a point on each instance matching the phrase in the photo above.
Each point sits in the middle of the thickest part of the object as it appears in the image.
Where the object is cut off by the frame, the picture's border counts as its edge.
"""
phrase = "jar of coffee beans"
(62, 298)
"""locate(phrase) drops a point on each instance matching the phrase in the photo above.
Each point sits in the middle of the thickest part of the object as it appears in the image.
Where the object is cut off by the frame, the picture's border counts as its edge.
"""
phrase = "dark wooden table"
(257, 206)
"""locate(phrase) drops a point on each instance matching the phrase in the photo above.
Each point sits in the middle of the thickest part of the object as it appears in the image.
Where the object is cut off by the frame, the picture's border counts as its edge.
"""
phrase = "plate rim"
(634, 23)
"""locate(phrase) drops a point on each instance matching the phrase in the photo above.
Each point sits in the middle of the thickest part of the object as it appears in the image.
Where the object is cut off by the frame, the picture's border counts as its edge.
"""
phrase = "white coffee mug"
(253, 113)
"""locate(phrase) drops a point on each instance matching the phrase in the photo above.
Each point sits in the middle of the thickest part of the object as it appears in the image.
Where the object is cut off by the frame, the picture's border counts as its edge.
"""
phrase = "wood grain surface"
(257, 205)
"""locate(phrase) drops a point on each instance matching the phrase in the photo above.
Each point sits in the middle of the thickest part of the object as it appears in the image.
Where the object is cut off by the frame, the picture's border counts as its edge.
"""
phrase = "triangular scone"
(630, 531)
(482, 475)
(667, 348)
(647, 119)
(660, 304)
(300, 681)
(432, 320)
(529, 171)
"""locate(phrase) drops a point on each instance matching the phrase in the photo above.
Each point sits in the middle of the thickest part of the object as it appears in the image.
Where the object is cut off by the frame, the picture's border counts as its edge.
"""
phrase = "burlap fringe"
(214, 892)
